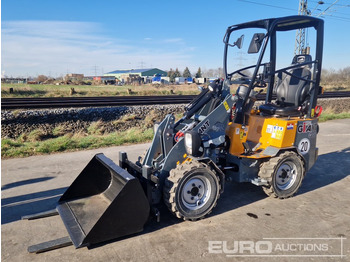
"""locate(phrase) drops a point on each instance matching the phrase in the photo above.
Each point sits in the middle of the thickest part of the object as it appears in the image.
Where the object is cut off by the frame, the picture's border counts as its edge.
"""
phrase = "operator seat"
(292, 92)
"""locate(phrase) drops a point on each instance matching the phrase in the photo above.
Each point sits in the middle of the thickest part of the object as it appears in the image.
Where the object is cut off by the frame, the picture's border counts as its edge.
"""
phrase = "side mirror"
(255, 44)
(239, 42)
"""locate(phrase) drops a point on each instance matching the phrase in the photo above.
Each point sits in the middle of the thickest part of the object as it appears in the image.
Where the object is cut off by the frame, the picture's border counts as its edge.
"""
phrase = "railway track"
(60, 102)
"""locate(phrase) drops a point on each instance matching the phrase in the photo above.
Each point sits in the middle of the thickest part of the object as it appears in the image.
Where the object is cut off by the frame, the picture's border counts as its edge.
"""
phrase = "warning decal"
(277, 132)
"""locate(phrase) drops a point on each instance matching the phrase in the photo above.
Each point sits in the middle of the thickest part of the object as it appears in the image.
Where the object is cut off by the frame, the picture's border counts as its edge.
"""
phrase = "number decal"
(304, 146)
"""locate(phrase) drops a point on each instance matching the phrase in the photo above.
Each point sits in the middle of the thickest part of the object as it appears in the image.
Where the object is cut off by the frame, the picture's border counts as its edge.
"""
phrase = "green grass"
(331, 116)
(25, 90)
(17, 148)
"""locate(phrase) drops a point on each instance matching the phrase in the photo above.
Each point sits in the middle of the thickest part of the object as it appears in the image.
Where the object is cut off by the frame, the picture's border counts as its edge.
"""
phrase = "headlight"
(192, 143)
(188, 143)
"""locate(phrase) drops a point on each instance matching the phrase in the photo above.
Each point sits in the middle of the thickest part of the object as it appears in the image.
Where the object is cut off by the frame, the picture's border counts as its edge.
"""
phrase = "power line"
(275, 6)
(303, 9)
(345, 19)
(328, 8)
(313, 9)
(331, 3)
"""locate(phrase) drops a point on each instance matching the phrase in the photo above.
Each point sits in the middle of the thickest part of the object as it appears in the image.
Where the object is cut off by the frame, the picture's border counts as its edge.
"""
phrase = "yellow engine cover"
(268, 131)
(278, 132)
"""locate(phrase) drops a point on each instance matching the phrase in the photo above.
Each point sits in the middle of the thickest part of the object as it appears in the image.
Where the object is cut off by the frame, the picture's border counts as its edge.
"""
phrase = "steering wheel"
(240, 73)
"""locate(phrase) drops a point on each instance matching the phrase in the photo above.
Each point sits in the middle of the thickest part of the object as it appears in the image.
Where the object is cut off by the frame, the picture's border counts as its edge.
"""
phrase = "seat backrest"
(292, 91)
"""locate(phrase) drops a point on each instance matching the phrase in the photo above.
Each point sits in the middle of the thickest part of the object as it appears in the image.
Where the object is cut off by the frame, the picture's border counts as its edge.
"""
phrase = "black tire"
(284, 174)
(191, 191)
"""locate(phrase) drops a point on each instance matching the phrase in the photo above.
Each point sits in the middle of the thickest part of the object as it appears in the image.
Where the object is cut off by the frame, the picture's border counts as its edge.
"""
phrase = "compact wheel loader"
(220, 136)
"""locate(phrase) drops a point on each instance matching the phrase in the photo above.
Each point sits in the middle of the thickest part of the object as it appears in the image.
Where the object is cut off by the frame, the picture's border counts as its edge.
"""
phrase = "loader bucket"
(103, 203)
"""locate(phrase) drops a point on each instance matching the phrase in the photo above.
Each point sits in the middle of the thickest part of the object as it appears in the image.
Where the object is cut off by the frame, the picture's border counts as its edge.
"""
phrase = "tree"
(171, 75)
(186, 73)
(199, 73)
(177, 73)
(170, 72)
(220, 72)
(215, 73)
(41, 78)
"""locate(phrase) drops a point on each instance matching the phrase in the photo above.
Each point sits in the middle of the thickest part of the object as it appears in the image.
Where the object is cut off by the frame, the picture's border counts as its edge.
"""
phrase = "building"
(107, 80)
(183, 80)
(11, 80)
(74, 77)
(143, 74)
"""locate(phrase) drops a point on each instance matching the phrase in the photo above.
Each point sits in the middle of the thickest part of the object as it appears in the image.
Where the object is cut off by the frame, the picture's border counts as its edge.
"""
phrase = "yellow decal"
(277, 132)
(241, 135)
(312, 112)
(226, 106)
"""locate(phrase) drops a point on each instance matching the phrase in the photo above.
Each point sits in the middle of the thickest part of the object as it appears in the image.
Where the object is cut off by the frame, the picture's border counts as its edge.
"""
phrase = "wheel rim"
(196, 192)
(286, 175)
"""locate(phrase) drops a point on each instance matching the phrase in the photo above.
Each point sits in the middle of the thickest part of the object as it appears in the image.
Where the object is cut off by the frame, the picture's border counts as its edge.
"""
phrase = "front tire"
(191, 191)
(284, 174)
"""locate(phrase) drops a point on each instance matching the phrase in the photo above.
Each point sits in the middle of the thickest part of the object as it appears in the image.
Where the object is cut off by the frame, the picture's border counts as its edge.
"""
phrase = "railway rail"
(60, 102)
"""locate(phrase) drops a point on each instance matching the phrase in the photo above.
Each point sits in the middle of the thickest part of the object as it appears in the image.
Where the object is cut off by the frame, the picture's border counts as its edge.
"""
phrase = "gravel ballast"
(14, 123)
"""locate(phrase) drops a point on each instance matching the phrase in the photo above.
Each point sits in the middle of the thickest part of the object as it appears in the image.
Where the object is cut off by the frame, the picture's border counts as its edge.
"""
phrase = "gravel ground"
(17, 122)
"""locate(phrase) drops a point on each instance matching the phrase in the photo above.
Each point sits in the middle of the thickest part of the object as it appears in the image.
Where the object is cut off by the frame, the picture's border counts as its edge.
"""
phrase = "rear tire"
(191, 191)
(284, 174)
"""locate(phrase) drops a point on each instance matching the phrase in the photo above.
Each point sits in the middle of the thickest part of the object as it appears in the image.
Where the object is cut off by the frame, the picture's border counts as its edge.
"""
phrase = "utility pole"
(94, 68)
(300, 46)
(300, 34)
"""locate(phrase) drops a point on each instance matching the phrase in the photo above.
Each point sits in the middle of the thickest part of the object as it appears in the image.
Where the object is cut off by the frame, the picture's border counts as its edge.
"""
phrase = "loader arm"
(211, 128)
(197, 112)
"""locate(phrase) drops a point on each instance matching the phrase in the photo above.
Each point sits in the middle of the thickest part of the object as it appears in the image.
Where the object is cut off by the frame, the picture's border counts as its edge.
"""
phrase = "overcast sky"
(58, 37)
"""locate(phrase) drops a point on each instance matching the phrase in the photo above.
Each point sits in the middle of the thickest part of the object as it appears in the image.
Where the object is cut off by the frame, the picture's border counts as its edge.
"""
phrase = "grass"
(336, 87)
(25, 90)
(71, 142)
(330, 113)
(327, 117)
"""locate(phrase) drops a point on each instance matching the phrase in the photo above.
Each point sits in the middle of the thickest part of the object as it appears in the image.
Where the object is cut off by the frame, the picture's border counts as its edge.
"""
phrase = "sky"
(95, 37)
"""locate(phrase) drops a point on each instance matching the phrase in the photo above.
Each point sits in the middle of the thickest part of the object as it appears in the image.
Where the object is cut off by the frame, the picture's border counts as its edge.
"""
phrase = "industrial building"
(140, 74)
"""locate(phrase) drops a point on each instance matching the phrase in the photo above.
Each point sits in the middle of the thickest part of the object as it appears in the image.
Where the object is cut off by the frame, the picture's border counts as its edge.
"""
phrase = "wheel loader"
(220, 136)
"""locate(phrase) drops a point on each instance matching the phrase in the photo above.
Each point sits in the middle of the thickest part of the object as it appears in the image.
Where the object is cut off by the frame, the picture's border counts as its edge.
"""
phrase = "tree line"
(328, 75)
(172, 74)
(334, 76)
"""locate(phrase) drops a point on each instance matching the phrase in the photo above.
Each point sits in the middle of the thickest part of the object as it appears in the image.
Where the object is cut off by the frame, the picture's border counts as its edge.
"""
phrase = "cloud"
(174, 40)
(57, 47)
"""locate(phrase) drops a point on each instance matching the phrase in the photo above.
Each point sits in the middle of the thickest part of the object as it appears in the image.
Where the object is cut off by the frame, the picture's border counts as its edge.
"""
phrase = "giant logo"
(305, 127)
